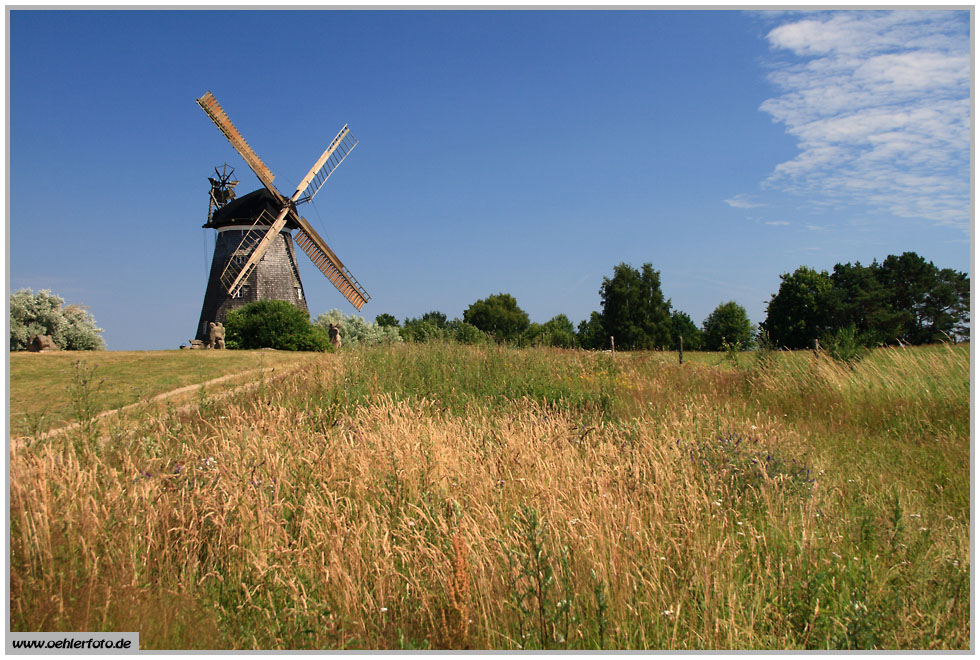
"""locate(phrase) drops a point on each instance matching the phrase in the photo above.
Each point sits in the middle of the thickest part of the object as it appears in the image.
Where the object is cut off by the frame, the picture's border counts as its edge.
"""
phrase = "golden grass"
(38, 381)
(294, 517)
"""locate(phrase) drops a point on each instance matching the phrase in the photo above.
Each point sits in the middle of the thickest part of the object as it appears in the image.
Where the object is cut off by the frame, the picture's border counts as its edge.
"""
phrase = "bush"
(70, 326)
(274, 324)
(558, 332)
(465, 333)
(845, 345)
(356, 331)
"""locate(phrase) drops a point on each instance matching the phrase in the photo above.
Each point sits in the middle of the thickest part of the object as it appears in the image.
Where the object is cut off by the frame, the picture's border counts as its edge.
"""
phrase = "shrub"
(845, 345)
(466, 333)
(70, 326)
(356, 331)
(273, 324)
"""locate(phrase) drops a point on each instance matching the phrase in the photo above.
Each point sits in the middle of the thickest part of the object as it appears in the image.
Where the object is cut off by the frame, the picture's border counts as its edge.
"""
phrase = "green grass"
(39, 382)
(445, 496)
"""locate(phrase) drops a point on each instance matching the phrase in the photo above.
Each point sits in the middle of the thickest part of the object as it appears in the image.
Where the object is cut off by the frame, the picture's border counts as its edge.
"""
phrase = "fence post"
(680, 353)
(612, 343)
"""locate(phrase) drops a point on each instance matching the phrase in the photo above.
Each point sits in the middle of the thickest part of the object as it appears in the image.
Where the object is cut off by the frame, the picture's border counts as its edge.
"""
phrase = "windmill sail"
(220, 118)
(334, 155)
(328, 263)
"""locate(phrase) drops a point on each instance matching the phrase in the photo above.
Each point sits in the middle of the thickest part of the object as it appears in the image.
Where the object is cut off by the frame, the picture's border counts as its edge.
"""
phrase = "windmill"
(254, 257)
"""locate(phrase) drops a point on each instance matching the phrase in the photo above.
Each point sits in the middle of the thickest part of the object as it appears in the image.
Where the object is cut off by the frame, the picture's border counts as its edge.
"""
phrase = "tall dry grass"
(458, 497)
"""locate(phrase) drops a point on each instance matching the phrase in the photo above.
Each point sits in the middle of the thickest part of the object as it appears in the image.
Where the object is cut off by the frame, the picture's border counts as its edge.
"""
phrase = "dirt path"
(177, 393)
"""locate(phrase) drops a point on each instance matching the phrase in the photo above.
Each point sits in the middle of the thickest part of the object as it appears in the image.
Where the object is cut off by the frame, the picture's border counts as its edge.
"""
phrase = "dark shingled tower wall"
(276, 277)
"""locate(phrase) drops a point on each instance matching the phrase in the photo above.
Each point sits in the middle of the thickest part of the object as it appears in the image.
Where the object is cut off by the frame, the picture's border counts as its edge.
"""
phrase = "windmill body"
(275, 276)
(254, 253)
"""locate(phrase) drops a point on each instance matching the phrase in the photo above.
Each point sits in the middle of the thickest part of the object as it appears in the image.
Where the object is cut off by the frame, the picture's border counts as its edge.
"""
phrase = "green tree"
(386, 321)
(932, 303)
(798, 313)
(858, 299)
(465, 333)
(438, 318)
(419, 330)
(591, 333)
(558, 332)
(681, 325)
(71, 327)
(946, 312)
(498, 316)
(729, 322)
(634, 310)
(274, 324)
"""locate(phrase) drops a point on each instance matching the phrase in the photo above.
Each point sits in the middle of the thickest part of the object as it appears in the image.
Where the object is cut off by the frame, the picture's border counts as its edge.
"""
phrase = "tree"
(465, 333)
(274, 324)
(728, 323)
(71, 327)
(946, 311)
(438, 318)
(419, 330)
(859, 299)
(681, 325)
(591, 333)
(386, 321)
(558, 332)
(932, 303)
(798, 313)
(634, 310)
(498, 316)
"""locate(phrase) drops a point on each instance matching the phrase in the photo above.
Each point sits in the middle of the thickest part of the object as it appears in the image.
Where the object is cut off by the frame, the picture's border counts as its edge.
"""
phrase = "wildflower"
(915, 515)
(411, 523)
(662, 558)
(384, 609)
(668, 613)
(923, 529)
(717, 502)
(739, 523)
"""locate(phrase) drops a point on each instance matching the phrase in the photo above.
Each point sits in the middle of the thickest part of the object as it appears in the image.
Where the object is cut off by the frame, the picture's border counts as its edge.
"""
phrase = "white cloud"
(777, 223)
(742, 201)
(880, 104)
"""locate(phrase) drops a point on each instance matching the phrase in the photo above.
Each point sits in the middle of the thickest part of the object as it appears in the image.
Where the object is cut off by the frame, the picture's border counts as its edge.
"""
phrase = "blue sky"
(525, 152)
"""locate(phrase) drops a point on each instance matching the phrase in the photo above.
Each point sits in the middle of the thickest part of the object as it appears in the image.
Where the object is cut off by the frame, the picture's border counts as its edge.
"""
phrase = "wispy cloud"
(777, 223)
(880, 104)
(743, 201)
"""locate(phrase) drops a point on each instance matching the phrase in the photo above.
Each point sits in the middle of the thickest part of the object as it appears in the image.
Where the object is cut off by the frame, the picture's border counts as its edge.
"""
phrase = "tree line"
(903, 299)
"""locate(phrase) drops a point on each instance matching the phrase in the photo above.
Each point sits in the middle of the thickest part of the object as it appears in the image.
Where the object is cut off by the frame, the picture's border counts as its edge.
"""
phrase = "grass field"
(444, 496)
(40, 383)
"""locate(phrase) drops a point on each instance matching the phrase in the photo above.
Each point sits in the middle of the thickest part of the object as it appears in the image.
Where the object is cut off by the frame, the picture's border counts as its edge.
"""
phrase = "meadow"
(430, 496)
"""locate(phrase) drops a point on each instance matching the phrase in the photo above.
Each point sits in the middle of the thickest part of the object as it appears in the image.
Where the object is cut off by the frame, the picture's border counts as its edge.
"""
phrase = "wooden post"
(612, 343)
(680, 352)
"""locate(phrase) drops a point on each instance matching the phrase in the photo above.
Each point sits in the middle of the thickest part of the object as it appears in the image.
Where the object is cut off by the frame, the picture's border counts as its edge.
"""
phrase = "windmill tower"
(254, 253)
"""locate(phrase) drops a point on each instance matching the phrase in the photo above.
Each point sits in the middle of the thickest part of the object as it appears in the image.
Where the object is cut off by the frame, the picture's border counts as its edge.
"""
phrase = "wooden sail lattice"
(327, 262)
(338, 150)
(239, 258)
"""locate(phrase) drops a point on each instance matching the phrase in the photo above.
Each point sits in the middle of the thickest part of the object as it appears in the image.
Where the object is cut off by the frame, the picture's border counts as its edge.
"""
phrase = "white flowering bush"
(71, 327)
(355, 331)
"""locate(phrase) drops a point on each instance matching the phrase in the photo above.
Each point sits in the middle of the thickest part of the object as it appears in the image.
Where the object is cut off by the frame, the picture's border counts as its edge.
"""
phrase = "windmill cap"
(246, 209)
